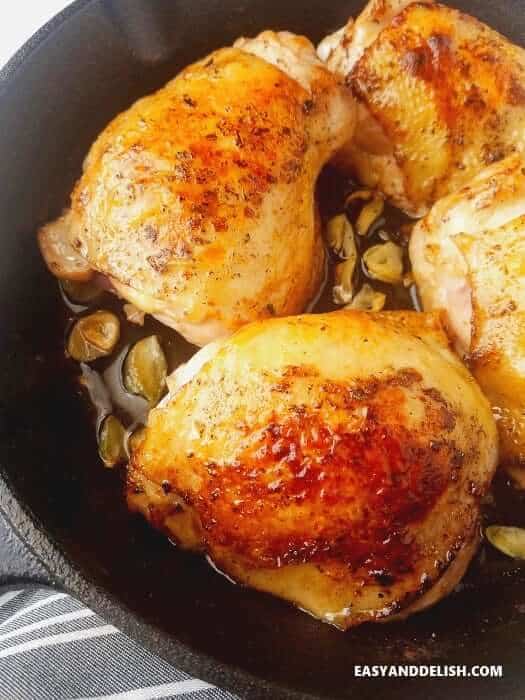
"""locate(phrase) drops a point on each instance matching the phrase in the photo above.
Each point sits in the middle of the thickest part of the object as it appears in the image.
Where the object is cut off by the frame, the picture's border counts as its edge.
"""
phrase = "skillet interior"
(56, 96)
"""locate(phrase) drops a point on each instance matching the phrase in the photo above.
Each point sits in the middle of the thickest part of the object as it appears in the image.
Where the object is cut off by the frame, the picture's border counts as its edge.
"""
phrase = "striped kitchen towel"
(53, 648)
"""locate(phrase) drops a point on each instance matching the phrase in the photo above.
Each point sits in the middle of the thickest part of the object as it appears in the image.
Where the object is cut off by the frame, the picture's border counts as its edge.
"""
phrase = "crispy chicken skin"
(440, 96)
(198, 202)
(342, 49)
(335, 460)
(468, 258)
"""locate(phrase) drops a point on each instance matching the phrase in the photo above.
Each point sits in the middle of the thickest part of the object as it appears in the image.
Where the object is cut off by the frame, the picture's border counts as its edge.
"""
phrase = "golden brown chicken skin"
(468, 258)
(440, 96)
(335, 460)
(198, 202)
(342, 49)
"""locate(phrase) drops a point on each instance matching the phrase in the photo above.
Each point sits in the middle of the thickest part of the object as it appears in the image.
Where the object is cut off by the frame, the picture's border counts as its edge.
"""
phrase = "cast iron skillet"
(59, 91)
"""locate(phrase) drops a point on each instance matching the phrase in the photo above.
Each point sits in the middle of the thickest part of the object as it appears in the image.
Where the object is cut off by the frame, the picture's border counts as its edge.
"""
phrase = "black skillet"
(57, 93)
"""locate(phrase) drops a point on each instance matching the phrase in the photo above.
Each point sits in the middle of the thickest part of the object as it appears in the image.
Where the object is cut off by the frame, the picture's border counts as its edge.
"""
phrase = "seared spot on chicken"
(342, 49)
(335, 460)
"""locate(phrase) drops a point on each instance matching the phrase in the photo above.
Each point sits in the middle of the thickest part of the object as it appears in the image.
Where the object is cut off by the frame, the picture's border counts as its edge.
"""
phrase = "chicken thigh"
(198, 202)
(440, 96)
(335, 460)
(468, 257)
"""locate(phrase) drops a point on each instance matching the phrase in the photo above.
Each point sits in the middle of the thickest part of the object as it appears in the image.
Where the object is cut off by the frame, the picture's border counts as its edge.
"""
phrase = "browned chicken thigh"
(468, 258)
(335, 460)
(440, 95)
(198, 202)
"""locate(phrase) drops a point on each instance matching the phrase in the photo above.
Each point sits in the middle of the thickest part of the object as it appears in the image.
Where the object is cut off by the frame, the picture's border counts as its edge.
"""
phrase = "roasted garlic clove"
(334, 233)
(384, 262)
(145, 369)
(111, 442)
(368, 299)
(369, 214)
(81, 292)
(349, 249)
(359, 195)
(93, 336)
(343, 290)
(340, 237)
(509, 540)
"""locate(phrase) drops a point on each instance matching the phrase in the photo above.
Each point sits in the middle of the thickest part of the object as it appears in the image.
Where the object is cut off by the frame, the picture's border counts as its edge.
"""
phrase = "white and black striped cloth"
(53, 648)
